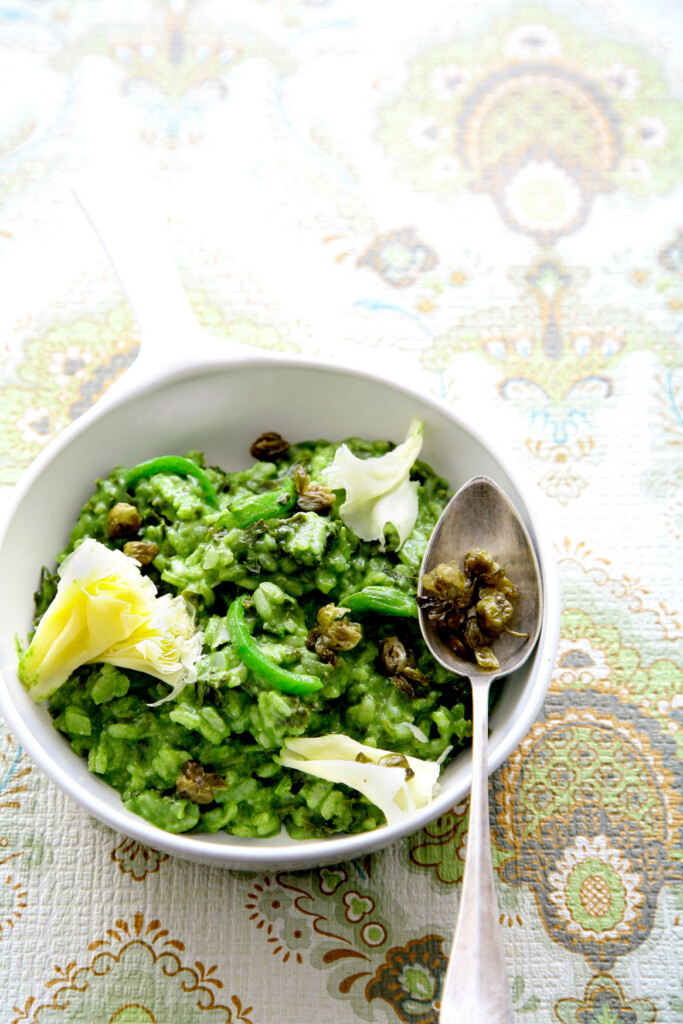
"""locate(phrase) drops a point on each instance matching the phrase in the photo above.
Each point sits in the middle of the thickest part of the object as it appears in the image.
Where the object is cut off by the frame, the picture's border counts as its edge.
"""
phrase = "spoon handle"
(128, 222)
(477, 989)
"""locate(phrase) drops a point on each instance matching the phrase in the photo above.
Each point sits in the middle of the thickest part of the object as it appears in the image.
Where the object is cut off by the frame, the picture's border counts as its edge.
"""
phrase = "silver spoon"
(476, 989)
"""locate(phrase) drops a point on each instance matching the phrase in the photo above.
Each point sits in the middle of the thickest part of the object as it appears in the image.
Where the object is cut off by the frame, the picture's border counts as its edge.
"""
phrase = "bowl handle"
(128, 222)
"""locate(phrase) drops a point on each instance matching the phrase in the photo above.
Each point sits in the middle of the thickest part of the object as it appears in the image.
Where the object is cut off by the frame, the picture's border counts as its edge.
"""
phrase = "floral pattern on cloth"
(539, 118)
(166, 988)
(604, 1000)
(488, 196)
(136, 859)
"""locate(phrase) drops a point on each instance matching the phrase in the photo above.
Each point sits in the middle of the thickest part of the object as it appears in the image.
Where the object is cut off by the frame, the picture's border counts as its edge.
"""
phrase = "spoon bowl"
(476, 988)
(482, 516)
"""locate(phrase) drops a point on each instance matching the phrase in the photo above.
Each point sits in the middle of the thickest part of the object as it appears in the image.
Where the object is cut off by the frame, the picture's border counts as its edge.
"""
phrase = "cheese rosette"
(334, 758)
(105, 610)
(379, 490)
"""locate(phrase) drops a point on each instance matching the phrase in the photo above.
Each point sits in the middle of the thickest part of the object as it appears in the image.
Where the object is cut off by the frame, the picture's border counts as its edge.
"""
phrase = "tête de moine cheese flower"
(105, 610)
(334, 758)
(379, 490)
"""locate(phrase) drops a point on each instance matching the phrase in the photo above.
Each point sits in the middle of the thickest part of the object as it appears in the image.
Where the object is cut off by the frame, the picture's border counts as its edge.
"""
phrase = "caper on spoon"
(481, 516)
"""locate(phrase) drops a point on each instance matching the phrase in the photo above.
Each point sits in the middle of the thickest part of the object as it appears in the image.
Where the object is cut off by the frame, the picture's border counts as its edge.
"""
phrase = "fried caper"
(142, 550)
(198, 785)
(269, 446)
(312, 497)
(401, 665)
(494, 609)
(394, 655)
(470, 608)
(447, 582)
(123, 520)
(333, 632)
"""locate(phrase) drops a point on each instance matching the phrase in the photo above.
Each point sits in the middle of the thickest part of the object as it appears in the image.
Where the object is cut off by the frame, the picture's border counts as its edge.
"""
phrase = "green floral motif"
(331, 879)
(340, 922)
(550, 341)
(594, 890)
(411, 980)
(588, 813)
(295, 912)
(133, 1013)
(135, 976)
(441, 845)
(645, 622)
(555, 358)
(586, 761)
(269, 905)
(530, 1004)
(540, 117)
(599, 876)
(604, 1002)
(357, 906)
(593, 657)
(235, 326)
(72, 364)
(64, 371)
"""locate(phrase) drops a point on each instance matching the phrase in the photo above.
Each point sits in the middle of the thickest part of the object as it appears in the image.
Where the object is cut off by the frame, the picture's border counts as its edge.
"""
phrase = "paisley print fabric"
(486, 198)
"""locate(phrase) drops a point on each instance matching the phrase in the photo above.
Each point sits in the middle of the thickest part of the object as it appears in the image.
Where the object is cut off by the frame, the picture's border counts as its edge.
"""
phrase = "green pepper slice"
(262, 506)
(255, 659)
(172, 464)
(385, 600)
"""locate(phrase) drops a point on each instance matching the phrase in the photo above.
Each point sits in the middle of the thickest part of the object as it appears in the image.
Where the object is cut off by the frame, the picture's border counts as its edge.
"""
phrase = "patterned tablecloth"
(496, 191)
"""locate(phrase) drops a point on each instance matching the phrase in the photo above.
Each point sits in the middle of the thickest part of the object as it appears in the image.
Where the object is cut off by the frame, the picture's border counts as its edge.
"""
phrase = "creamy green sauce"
(229, 720)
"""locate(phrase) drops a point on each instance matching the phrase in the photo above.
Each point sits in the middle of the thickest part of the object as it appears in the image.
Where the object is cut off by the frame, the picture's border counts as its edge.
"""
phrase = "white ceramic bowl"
(184, 392)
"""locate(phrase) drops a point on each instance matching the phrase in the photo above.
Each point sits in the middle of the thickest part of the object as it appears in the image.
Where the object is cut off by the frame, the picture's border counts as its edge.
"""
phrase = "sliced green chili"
(262, 506)
(177, 465)
(385, 600)
(251, 655)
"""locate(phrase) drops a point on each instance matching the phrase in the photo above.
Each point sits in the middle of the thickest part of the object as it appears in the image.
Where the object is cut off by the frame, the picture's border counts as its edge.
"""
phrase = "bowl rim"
(296, 853)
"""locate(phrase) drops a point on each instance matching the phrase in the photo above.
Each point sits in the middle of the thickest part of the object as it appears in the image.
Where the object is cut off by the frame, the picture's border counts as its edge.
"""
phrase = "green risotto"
(307, 630)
